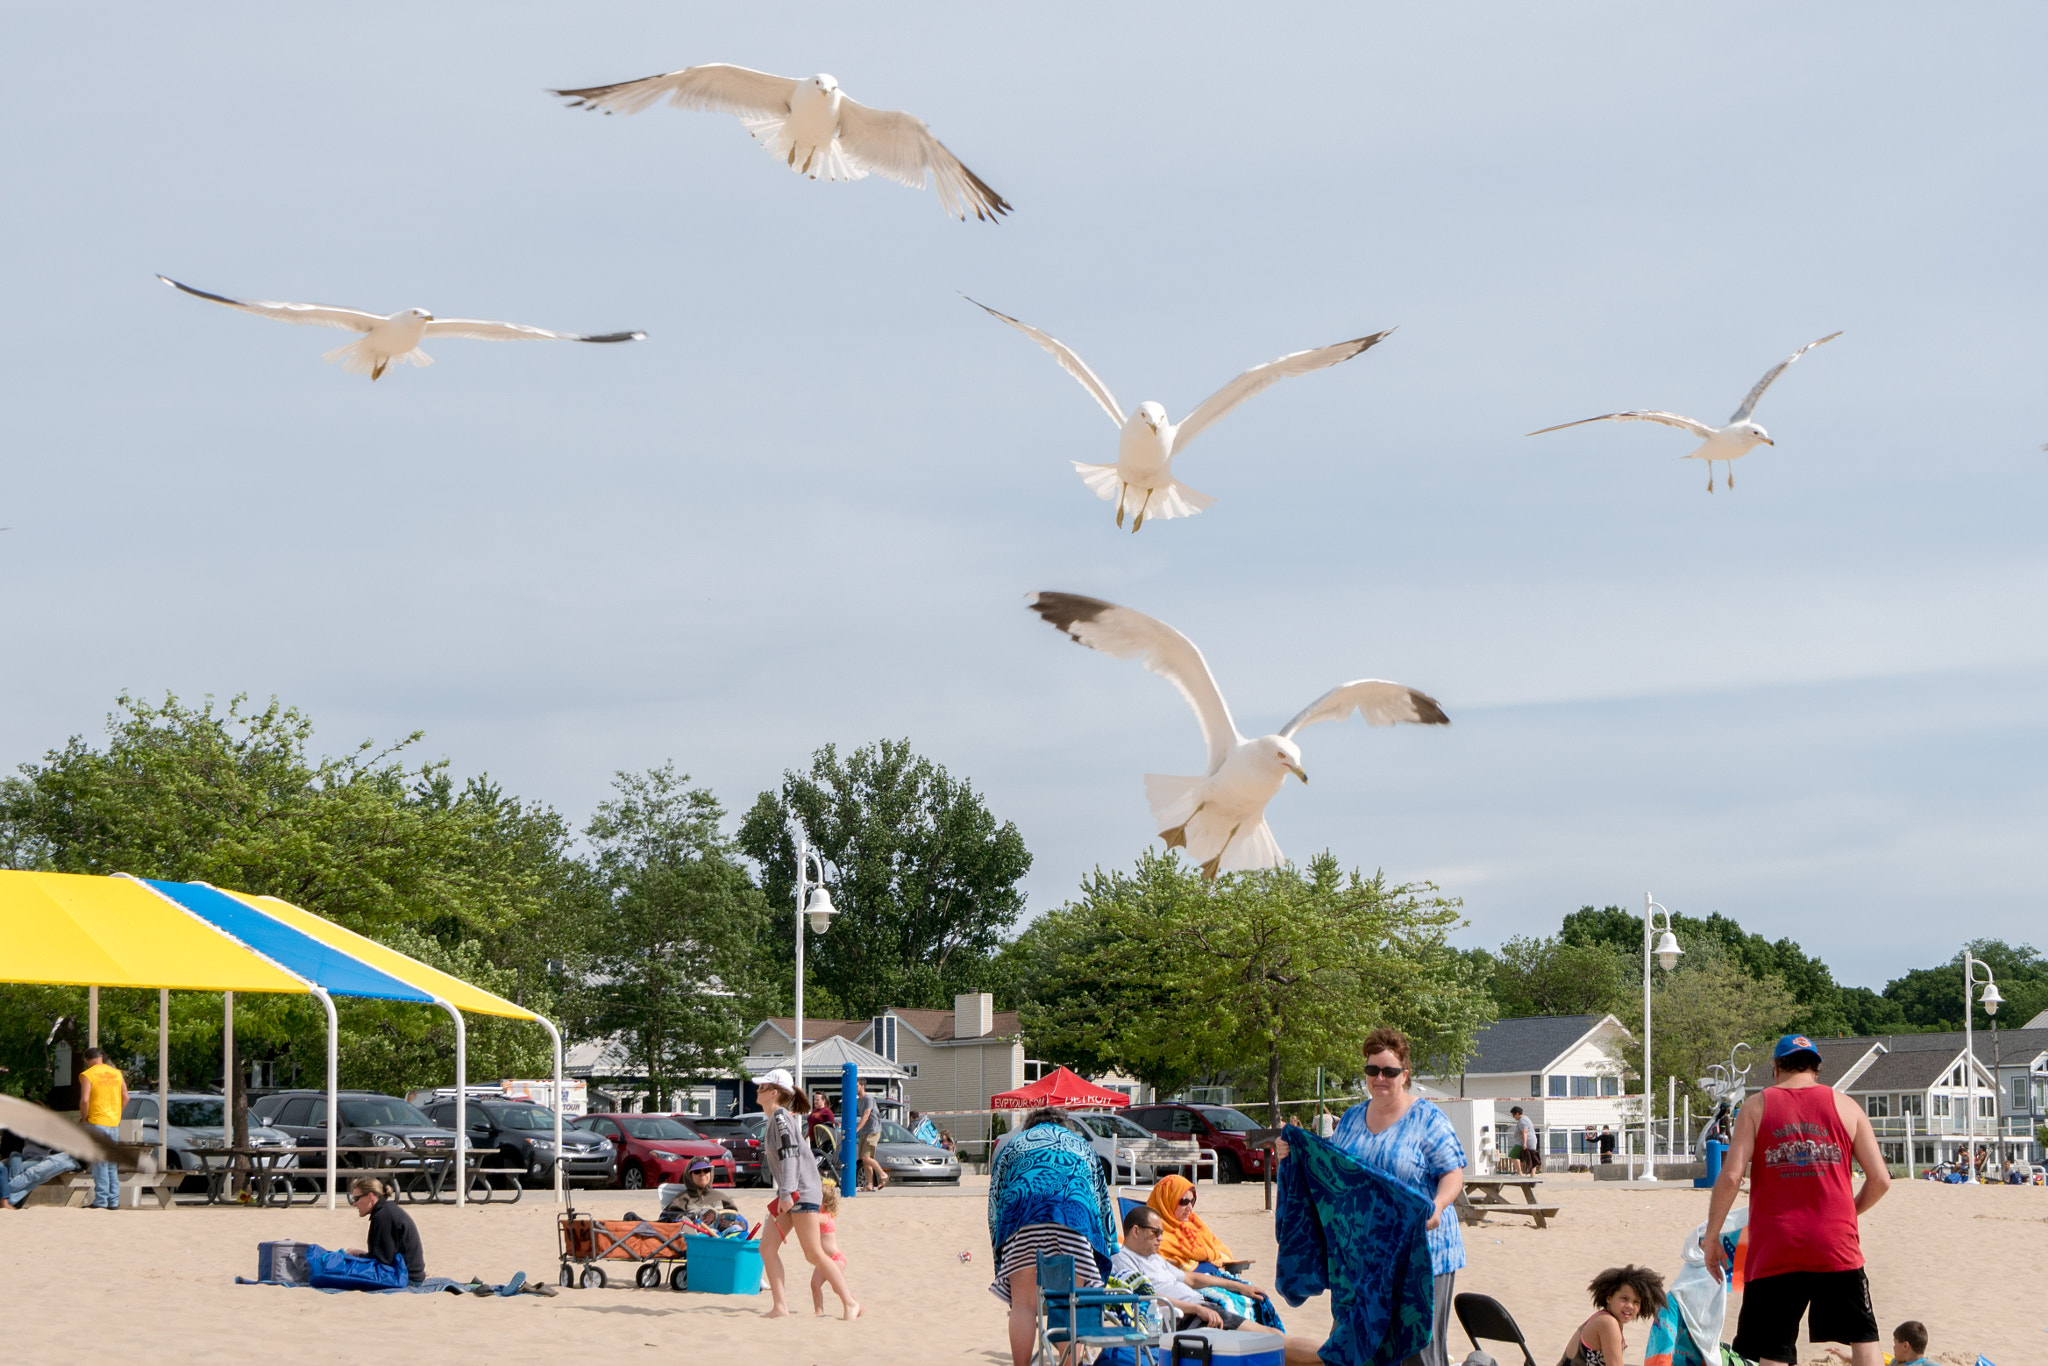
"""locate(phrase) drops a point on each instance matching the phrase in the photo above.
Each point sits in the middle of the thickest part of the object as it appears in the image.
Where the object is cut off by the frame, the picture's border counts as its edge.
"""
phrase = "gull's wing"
(490, 331)
(1265, 376)
(314, 315)
(1381, 704)
(900, 146)
(1069, 362)
(1127, 634)
(1700, 429)
(53, 1130)
(715, 86)
(1749, 404)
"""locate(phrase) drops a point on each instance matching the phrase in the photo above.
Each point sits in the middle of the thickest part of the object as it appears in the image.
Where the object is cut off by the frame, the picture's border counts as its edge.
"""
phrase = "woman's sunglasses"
(1373, 1070)
(1184, 1200)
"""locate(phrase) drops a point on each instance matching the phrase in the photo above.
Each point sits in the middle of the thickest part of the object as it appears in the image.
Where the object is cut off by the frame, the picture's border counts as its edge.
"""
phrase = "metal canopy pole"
(333, 1073)
(227, 1067)
(555, 1035)
(461, 1101)
(163, 1078)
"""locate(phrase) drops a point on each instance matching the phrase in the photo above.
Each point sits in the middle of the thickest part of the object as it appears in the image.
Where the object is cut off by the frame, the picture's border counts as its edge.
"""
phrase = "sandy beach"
(160, 1285)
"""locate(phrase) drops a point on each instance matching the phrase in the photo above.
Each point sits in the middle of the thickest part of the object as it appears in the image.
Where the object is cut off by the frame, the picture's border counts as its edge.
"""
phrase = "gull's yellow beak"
(1294, 768)
(1769, 442)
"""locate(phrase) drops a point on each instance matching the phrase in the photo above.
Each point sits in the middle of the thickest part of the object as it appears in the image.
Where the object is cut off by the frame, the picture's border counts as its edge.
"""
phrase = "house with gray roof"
(1560, 1069)
(1927, 1085)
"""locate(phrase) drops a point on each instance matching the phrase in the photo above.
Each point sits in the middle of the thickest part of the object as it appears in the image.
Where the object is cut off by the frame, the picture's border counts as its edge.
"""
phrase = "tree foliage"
(1811, 984)
(1260, 976)
(1698, 1013)
(923, 877)
(1932, 998)
(672, 967)
(1553, 976)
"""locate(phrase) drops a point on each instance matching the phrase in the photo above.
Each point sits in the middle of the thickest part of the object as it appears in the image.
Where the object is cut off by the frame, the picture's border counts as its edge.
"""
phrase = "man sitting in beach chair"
(700, 1204)
(1138, 1263)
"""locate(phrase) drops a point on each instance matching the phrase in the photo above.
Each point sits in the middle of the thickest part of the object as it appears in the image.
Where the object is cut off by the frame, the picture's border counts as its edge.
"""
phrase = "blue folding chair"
(1070, 1316)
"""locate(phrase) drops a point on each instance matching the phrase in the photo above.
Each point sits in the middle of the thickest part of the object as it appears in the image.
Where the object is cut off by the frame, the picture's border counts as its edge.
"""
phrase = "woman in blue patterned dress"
(1045, 1194)
(1400, 1135)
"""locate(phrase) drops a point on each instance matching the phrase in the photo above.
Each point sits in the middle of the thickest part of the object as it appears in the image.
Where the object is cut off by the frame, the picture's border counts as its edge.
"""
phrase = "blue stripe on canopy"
(294, 951)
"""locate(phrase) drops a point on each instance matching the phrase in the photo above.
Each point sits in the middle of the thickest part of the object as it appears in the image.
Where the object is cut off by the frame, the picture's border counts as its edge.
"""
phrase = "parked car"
(653, 1149)
(524, 1135)
(1218, 1128)
(1108, 1131)
(368, 1120)
(902, 1156)
(739, 1135)
(198, 1121)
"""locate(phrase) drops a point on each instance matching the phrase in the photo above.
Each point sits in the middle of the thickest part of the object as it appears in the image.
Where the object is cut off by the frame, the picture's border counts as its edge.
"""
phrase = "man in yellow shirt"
(102, 1093)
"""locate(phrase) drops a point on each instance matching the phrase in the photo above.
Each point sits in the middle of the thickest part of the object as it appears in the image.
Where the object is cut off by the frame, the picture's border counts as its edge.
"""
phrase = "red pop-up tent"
(1059, 1089)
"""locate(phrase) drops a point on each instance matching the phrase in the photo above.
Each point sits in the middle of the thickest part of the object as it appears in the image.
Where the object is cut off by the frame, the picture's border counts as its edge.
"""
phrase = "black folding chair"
(1483, 1316)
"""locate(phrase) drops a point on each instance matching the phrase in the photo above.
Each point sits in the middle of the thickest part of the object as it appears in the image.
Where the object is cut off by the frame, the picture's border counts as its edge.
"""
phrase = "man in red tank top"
(1794, 1141)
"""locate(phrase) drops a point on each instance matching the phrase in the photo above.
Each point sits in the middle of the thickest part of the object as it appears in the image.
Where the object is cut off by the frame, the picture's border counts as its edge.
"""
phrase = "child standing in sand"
(828, 1239)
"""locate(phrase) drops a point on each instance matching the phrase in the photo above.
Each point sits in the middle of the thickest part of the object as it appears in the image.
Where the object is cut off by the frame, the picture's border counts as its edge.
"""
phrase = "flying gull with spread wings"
(813, 127)
(396, 336)
(1729, 443)
(1142, 479)
(1220, 817)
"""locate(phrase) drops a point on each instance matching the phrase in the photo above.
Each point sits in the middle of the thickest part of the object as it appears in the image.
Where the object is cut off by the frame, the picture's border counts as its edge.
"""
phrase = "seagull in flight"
(396, 336)
(1220, 817)
(811, 126)
(1729, 443)
(1147, 442)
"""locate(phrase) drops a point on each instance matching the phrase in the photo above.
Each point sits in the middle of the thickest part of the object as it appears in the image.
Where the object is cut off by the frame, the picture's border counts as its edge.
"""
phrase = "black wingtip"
(1067, 610)
(1427, 712)
(616, 337)
(200, 293)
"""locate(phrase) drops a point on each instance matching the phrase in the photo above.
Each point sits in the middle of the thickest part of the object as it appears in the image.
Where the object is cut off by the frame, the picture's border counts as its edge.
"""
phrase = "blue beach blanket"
(1047, 1175)
(1345, 1228)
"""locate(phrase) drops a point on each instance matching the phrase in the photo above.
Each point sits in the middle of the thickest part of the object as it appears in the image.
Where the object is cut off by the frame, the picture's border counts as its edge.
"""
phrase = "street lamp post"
(818, 909)
(1666, 952)
(1990, 998)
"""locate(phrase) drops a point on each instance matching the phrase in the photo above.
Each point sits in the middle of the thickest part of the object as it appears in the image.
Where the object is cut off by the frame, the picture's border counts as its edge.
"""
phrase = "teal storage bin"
(722, 1266)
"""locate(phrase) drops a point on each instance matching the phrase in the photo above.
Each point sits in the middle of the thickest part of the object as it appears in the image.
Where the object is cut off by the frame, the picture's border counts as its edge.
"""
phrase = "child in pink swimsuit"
(828, 1239)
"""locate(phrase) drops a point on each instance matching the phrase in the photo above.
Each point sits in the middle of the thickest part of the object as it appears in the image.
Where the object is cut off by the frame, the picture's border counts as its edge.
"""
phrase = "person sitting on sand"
(392, 1232)
(698, 1202)
(1139, 1260)
(1186, 1240)
(1621, 1294)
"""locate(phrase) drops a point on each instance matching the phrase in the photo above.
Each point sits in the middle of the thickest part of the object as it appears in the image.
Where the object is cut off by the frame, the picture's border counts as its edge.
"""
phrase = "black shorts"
(1836, 1305)
(1231, 1322)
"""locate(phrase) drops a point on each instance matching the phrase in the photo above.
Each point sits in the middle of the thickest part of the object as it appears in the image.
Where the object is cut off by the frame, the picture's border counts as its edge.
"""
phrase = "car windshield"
(1113, 1126)
(893, 1132)
(653, 1126)
(522, 1116)
(381, 1110)
(196, 1114)
(1229, 1121)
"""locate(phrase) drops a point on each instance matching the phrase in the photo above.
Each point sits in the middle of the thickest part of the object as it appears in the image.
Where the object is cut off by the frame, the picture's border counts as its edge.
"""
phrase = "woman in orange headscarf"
(1187, 1239)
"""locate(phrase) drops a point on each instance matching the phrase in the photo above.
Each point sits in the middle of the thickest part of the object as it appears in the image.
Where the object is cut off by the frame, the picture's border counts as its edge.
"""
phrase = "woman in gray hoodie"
(798, 1192)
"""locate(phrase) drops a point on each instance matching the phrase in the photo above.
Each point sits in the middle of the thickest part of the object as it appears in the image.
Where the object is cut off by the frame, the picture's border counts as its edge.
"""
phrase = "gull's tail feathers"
(358, 359)
(828, 162)
(1215, 841)
(1103, 479)
(1173, 805)
(1175, 500)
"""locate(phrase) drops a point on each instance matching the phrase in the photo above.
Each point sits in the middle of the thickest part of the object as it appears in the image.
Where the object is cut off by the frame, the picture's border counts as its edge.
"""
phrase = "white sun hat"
(778, 1078)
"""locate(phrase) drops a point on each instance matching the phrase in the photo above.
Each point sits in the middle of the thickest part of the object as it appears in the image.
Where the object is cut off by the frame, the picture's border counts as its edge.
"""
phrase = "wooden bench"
(1485, 1195)
(76, 1193)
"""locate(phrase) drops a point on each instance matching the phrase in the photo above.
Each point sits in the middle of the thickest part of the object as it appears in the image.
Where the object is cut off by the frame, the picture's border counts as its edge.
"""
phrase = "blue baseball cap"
(1791, 1044)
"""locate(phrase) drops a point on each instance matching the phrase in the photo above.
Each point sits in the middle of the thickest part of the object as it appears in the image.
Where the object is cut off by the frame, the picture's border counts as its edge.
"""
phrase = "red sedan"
(656, 1148)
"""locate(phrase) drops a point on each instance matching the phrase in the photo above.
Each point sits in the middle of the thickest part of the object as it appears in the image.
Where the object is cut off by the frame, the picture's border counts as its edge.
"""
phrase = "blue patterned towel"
(1347, 1229)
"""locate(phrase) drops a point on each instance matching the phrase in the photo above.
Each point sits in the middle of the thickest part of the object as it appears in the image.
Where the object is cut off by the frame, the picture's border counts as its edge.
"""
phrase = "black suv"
(368, 1120)
(524, 1135)
(741, 1136)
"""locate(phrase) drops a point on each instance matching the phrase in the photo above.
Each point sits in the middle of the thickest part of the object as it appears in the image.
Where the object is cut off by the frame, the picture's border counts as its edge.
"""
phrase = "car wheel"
(633, 1177)
(1228, 1170)
(648, 1277)
(593, 1278)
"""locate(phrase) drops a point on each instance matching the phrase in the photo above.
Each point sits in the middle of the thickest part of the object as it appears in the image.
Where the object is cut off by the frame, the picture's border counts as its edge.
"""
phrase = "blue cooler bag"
(1218, 1346)
(328, 1270)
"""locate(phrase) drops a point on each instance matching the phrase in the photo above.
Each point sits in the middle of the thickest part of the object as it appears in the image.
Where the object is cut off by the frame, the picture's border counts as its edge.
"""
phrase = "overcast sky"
(808, 507)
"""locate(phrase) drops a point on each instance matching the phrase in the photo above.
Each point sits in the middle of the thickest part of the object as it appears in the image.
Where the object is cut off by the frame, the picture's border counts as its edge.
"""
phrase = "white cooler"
(1203, 1346)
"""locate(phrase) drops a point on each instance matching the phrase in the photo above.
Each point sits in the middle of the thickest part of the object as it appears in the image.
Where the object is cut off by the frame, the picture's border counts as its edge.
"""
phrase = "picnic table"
(1484, 1195)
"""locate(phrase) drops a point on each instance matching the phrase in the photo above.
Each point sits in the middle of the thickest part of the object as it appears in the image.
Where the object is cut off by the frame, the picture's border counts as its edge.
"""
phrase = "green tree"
(1553, 976)
(1263, 975)
(1932, 998)
(1812, 985)
(673, 958)
(1869, 1013)
(924, 878)
(1698, 1014)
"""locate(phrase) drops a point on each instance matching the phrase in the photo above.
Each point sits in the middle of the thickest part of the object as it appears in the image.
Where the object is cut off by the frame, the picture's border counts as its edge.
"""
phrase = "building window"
(2019, 1095)
(1585, 1086)
(1877, 1107)
(882, 1035)
(1941, 1105)
(1558, 1085)
(1610, 1086)
(1535, 1084)
(2041, 1097)
(1987, 1107)
(1913, 1104)
(909, 1067)
(1557, 1138)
